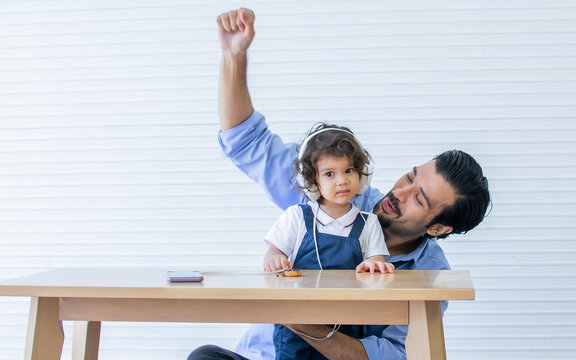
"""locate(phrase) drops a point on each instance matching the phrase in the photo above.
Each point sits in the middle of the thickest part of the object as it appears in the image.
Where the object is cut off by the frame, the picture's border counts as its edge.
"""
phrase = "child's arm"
(275, 259)
(375, 262)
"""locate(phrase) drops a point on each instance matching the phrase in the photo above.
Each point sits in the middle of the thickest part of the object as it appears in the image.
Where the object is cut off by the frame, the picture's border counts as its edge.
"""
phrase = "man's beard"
(384, 221)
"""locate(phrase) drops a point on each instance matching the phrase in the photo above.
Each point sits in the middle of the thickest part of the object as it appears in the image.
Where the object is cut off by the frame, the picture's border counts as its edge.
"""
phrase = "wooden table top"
(151, 283)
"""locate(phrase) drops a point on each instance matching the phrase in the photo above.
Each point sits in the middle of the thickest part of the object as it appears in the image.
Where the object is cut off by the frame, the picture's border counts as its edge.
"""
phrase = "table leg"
(45, 335)
(425, 338)
(86, 340)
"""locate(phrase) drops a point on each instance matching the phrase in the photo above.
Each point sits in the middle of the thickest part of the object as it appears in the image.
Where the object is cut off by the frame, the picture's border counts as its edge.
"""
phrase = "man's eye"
(418, 200)
(409, 178)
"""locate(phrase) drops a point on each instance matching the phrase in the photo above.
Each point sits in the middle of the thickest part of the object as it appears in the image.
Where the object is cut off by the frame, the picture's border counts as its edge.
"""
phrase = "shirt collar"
(325, 219)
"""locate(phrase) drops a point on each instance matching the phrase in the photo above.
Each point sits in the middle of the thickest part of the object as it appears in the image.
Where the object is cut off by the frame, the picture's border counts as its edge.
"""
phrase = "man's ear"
(439, 229)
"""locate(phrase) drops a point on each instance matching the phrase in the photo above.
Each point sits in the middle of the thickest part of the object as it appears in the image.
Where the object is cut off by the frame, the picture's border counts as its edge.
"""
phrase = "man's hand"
(236, 29)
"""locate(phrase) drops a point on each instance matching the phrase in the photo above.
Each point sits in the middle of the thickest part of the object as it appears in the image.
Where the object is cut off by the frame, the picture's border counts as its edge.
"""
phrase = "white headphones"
(313, 192)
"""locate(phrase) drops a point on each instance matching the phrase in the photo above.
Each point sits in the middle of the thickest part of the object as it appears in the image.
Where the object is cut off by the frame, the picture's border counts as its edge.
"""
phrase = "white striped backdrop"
(108, 151)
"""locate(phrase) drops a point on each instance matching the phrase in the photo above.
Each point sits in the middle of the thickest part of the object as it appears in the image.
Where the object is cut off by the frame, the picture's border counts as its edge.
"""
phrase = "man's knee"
(204, 352)
(211, 352)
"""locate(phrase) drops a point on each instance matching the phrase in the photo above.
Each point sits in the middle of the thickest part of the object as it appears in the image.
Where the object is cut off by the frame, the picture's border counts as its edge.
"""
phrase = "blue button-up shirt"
(266, 159)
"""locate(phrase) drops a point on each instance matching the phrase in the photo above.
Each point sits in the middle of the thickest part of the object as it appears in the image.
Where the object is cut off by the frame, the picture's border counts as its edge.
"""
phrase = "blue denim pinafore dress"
(336, 252)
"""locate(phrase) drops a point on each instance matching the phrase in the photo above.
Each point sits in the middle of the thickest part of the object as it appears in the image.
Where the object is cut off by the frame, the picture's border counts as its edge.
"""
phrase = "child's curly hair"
(336, 143)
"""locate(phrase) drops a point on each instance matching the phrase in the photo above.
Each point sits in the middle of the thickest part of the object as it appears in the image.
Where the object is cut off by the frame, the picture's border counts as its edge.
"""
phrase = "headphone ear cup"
(365, 179)
(313, 194)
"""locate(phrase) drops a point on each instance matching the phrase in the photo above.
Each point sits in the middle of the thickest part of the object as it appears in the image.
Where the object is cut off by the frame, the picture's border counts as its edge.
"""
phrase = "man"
(446, 195)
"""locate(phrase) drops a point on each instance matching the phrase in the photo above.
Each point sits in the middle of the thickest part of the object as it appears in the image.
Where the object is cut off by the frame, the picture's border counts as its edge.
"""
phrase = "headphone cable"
(315, 241)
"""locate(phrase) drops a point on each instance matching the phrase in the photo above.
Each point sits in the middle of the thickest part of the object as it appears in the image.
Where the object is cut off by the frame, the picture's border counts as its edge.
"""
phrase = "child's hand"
(372, 265)
(276, 262)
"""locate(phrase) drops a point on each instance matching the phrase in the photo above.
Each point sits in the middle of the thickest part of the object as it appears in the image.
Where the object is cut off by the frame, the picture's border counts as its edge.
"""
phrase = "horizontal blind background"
(108, 151)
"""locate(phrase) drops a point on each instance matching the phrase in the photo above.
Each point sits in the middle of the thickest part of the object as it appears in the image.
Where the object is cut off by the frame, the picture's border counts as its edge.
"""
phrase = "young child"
(329, 232)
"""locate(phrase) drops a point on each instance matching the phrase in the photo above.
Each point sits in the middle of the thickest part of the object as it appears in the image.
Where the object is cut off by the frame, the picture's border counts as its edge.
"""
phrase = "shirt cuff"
(380, 348)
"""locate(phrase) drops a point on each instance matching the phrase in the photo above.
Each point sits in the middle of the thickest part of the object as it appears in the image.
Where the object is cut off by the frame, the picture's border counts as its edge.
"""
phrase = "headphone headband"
(312, 135)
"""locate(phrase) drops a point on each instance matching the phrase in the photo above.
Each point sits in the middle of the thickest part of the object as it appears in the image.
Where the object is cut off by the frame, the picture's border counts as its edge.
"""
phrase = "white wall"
(108, 152)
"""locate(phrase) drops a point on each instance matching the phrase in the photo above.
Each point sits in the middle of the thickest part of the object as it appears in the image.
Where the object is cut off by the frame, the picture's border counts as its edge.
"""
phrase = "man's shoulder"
(427, 256)
(433, 257)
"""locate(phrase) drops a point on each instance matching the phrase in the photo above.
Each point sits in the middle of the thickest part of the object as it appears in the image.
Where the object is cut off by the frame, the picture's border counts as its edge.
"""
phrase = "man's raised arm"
(236, 31)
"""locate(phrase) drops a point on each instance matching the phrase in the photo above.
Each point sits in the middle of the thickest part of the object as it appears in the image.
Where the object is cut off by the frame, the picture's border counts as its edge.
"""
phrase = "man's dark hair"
(464, 174)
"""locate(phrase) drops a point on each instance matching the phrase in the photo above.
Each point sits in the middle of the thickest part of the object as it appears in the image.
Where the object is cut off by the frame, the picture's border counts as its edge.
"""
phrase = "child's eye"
(329, 174)
(349, 171)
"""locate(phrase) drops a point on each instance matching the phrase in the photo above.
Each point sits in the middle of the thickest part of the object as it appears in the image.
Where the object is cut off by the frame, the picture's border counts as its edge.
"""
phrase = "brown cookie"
(292, 273)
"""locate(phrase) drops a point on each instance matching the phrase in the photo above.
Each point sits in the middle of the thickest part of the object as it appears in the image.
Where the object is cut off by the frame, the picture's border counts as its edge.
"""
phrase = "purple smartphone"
(185, 276)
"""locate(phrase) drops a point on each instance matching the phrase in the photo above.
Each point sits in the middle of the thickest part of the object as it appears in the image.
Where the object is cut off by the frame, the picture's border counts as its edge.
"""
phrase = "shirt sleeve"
(373, 238)
(264, 157)
(389, 345)
(257, 344)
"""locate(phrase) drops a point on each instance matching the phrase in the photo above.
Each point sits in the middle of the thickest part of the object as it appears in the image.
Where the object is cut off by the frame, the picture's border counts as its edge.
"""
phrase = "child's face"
(337, 179)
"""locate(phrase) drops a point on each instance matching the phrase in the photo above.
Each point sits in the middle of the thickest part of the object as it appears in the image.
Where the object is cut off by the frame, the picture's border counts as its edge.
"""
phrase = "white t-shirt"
(288, 231)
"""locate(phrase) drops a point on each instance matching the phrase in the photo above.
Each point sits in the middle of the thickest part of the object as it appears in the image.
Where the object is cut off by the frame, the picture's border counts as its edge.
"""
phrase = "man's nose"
(402, 193)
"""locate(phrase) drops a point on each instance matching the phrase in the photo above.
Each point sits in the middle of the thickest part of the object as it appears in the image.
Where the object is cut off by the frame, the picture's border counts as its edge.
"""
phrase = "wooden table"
(89, 296)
